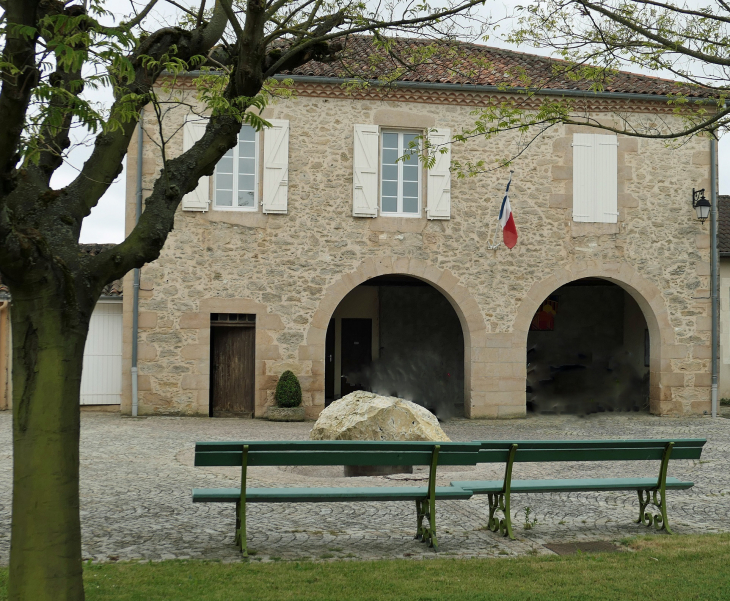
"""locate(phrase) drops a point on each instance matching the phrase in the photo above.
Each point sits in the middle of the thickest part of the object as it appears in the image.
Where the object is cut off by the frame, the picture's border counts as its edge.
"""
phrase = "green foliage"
(530, 522)
(288, 390)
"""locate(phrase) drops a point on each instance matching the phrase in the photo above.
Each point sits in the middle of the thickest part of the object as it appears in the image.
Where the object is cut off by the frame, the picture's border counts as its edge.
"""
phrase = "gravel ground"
(136, 477)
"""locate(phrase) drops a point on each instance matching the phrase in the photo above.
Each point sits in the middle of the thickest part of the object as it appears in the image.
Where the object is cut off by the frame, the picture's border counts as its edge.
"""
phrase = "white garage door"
(101, 380)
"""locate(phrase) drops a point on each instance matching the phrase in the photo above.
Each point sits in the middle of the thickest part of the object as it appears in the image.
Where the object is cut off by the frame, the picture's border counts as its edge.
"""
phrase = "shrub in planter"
(288, 390)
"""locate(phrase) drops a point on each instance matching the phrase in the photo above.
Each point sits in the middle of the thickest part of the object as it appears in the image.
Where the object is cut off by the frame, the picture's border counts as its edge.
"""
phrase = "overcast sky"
(106, 222)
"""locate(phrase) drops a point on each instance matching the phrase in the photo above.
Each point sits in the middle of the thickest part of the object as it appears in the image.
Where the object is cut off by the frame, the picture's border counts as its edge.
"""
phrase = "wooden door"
(329, 364)
(232, 356)
(356, 353)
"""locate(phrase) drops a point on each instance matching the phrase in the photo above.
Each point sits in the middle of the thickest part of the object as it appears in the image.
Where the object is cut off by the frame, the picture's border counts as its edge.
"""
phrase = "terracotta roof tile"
(465, 63)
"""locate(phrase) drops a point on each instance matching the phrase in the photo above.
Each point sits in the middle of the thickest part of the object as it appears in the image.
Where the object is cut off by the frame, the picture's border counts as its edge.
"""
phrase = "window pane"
(410, 159)
(247, 149)
(390, 204)
(410, 189)
(246, 166)
(225, 165)
(390, 140)
(223, 198)
(390, 156)
(410, 173)
(245, 198)
(224, 181)
(390, 188)
(390, 172)
(247, 133)
(407, 139)
(246, 183)
(410, 205)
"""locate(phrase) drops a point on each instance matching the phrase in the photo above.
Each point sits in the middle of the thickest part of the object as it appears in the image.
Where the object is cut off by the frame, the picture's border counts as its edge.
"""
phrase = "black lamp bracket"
(697, 195)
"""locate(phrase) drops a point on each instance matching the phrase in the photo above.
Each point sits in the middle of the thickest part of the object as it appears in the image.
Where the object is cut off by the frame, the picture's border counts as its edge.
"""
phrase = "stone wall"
(292, 270)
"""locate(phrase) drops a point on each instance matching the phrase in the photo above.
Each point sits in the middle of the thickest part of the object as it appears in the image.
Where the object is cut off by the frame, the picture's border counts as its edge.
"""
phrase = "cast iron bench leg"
(500, 501)
(656, 497)
(420, 513)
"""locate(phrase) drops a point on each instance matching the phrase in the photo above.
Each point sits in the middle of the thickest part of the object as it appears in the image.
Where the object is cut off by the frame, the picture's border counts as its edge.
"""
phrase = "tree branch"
(19, 79)
(139, 17)
(662, 40)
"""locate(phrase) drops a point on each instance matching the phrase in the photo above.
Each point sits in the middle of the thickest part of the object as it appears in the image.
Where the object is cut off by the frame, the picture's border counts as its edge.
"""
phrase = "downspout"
(4, 375)
(135, 286)
(715, 271)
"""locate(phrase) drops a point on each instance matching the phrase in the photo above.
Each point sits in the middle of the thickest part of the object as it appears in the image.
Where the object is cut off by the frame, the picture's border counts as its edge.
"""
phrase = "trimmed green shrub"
(288, 390)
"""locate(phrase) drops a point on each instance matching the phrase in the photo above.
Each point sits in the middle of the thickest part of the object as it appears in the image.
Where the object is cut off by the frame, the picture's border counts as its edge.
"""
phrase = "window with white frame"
(400, 181)
(236, 174)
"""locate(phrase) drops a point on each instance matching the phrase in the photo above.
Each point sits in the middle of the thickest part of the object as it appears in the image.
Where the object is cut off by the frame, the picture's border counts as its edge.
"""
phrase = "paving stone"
(137, 474)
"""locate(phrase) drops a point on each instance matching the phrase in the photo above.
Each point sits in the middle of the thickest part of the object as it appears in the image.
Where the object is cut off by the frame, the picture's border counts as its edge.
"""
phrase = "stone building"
(310, 249)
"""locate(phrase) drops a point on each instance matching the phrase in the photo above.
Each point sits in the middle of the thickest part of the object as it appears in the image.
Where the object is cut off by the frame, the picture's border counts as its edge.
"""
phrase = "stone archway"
(465, 306)
(648, 297)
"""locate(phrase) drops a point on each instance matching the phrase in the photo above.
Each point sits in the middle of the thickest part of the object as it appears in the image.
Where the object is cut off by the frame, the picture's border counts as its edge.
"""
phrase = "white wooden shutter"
(595, 175)
(365, 171)
(198, 199)
(276, 167)
(606, 202)
(438, 204)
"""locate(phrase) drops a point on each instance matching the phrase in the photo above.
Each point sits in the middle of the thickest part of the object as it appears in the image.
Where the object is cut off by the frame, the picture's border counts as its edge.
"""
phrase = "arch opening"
(588, 351)
(397, 335)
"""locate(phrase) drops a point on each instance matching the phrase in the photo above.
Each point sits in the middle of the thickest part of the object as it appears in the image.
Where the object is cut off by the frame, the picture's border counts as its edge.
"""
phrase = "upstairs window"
(236, 181)
(400, 181)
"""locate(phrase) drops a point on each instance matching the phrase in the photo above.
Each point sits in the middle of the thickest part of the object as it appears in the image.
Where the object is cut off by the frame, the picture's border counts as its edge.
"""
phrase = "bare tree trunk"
(48, 347)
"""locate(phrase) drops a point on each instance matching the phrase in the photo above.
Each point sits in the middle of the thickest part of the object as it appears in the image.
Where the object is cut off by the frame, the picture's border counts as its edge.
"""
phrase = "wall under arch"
(468, 311)
(673, 387)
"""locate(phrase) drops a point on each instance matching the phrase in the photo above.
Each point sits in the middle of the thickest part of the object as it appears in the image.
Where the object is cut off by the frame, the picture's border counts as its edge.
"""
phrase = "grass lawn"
(652, 568)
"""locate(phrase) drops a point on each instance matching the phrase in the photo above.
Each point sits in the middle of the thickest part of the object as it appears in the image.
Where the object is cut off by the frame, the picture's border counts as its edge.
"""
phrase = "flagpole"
(496, 225)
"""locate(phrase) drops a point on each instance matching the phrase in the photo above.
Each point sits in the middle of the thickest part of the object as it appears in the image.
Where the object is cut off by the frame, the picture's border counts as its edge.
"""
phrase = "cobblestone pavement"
(136, 477)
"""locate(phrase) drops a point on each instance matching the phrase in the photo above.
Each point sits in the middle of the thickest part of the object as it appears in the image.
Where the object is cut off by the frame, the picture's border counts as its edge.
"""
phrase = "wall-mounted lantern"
(701, 204)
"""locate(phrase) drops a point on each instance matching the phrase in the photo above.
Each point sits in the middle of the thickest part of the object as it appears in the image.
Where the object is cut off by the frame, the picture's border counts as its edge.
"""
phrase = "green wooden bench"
(323, 453)
(651, 491)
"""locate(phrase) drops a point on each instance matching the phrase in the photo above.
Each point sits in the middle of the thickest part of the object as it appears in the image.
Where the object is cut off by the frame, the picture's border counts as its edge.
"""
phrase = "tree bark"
(48, 347)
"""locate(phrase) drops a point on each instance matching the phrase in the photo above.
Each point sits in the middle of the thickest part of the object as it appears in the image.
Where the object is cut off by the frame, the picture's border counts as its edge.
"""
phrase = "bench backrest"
(335, 452)
(540, 451)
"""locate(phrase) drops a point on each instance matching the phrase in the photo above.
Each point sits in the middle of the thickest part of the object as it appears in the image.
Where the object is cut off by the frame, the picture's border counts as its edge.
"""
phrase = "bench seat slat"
(593, 444)
(334, 445)
(326, 495)
(355, 457)
(572, 485)
(556, 453)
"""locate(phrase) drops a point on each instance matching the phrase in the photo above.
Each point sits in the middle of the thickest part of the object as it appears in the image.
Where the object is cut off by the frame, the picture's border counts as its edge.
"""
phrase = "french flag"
(506, 220)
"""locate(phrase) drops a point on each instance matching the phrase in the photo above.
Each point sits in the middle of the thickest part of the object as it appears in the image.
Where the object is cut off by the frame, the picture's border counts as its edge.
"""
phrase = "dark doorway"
(356, 353)
(232, 371)
(329, 363)
(587, 351)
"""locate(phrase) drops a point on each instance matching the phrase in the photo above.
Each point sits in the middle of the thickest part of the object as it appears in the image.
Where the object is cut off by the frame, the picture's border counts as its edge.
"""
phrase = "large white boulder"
(367, 416)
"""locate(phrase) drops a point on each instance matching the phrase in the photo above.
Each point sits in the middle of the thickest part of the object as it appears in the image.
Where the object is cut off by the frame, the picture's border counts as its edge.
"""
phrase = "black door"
(356, 353)
(329, 364)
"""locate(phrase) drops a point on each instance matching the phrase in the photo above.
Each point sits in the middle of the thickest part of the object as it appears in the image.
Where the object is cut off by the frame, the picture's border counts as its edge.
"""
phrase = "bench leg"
(500, 502)
(432, 541)
(241, 542)
(420, 513)
(657, 499)
(426, 534)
